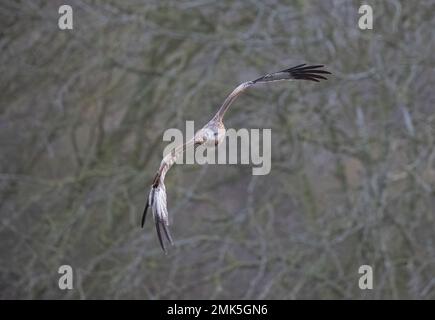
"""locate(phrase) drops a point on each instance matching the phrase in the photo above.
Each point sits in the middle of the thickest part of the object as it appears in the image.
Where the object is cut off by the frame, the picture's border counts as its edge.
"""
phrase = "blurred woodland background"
(82, 116)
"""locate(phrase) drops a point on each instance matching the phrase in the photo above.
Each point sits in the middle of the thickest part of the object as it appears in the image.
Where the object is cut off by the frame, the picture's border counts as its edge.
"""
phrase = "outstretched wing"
(157, 196)
(300, 72)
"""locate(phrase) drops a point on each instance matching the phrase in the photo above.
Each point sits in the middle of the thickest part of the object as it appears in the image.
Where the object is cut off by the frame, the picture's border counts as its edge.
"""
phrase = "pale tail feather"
(158, 204)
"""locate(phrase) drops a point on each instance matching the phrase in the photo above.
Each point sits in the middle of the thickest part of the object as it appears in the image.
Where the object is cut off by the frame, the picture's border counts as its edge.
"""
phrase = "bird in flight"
(211, 135)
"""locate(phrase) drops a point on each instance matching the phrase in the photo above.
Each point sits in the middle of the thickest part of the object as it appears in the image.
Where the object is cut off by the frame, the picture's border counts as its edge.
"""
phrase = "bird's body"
(211, 135)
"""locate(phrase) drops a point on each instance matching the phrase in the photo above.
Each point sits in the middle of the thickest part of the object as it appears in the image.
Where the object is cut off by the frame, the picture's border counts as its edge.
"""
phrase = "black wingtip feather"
(311, 73)
(309, 79)
(295, 67)
(302, 71)
(144, 215)
(303, 67)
